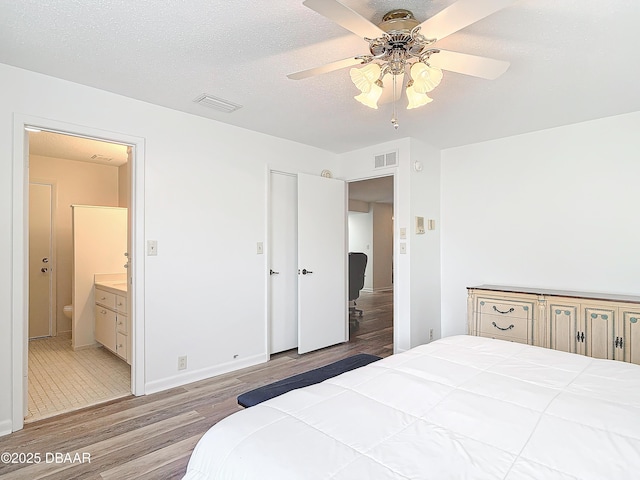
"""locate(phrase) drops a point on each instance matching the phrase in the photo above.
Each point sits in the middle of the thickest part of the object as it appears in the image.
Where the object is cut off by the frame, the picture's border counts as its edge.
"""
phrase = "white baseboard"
(6, 427)
(202, 374)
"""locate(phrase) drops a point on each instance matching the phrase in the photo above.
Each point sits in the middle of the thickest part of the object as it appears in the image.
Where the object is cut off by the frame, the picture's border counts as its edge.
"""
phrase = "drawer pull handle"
(500, 328)
(504, 313)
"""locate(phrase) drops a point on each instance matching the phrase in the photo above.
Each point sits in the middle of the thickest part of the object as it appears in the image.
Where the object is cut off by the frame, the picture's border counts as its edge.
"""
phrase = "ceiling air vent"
(216, 103)
(101, 158)
(386, 160)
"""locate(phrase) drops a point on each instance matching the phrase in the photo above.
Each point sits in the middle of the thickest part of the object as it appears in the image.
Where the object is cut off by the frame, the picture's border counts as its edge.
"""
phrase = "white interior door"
(283, 260)
(40, 288)
(322, 262)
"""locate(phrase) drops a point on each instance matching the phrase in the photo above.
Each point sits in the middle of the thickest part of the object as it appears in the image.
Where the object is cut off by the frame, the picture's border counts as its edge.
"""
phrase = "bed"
(462, 407)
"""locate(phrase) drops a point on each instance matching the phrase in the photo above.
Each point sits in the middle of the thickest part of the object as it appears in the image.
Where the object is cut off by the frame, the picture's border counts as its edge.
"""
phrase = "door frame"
(53, 270)
(20, 260)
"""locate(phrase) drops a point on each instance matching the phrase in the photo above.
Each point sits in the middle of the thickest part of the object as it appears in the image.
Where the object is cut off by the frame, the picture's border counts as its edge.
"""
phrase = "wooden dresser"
(599, 325)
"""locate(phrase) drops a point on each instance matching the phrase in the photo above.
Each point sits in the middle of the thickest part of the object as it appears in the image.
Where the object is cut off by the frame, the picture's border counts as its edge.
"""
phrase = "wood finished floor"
(152, 437)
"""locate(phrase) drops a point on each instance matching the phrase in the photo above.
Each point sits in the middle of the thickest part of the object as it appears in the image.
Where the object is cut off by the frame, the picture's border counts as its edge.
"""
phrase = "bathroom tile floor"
(62, 380)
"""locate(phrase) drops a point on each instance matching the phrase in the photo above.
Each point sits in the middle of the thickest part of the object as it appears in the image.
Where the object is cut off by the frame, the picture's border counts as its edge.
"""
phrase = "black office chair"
(357, 266)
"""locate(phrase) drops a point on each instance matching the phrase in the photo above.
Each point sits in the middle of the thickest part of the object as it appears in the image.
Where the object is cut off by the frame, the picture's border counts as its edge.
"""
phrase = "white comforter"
(459, 408)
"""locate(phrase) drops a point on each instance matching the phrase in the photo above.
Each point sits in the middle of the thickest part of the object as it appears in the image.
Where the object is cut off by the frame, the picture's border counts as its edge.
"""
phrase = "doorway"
(370, 231)
(63, 373)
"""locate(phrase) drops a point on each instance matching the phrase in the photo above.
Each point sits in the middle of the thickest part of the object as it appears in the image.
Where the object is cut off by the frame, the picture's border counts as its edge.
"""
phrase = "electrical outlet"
(182, 362)
(430, 334)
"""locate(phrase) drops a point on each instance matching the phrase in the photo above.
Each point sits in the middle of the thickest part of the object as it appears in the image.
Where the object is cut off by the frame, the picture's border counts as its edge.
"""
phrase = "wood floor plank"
(153, 462)
(98, 451)
(152, 437)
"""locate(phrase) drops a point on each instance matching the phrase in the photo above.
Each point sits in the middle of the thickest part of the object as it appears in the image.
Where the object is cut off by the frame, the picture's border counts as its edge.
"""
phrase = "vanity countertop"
(112, 282)
(118, 288)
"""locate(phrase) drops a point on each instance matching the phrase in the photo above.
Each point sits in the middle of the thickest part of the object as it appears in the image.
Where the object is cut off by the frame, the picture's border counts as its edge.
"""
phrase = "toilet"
(68, 311)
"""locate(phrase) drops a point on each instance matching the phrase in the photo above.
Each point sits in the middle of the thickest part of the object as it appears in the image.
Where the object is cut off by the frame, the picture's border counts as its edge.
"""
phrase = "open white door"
(322, 263)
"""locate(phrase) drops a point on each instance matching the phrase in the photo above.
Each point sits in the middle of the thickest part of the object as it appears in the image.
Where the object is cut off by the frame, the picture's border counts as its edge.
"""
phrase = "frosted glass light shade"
(416, 99)
(365, 77)
(370, 98)
(425, 77)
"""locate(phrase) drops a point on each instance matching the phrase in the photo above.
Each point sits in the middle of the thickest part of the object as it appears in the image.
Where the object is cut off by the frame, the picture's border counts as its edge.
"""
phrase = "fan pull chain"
(394, 118)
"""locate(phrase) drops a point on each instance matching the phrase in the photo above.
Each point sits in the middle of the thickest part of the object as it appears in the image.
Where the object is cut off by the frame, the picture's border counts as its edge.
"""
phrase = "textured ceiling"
(571, 61)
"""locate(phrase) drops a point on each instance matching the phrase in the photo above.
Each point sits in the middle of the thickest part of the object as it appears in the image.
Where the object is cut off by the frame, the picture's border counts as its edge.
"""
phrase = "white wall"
(416, 308)
(557, 208)
(425, 248)
(196, 170)
(361, 240)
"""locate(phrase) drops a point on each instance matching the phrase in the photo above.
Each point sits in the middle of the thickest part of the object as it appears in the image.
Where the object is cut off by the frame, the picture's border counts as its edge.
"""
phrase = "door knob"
(44, 269)
(305, 271)
(45, 260)
(273, 272)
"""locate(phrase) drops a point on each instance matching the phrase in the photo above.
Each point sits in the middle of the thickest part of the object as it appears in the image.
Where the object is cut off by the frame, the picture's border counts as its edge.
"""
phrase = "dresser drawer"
(121, 304)
(516, 328)
(105, 298)
(505, 308)
(507, 338)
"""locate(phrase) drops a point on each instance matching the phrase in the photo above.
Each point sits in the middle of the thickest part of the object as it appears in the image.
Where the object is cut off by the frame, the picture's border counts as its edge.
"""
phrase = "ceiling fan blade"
(345, 17)
(473, 65)
(459, 15)
(329, 67)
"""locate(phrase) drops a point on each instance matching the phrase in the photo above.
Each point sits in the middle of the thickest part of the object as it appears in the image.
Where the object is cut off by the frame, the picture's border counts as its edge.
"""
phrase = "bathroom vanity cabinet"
(112, 321)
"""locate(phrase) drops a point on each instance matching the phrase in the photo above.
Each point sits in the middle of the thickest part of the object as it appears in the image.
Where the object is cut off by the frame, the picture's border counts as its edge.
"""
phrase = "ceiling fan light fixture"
(364, 78)
(425, 77)
(397, 44)
(416, 99)
(370, 98)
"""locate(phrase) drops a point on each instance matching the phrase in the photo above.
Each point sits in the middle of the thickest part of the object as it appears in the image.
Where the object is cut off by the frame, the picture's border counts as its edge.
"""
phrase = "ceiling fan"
(400, 44)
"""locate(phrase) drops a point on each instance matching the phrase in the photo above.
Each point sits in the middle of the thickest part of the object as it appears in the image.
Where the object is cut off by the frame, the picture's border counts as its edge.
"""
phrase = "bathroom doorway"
(66, 170)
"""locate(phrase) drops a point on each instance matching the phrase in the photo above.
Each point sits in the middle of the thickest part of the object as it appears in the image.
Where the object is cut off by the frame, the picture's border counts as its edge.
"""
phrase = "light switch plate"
(403, 233)
(152, 247)
(260, 248)
(403, 247)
